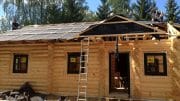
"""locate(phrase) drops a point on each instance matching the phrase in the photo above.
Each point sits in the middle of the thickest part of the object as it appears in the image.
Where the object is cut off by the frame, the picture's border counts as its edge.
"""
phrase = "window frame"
(14, 63)
(70, 54)
(155, 73)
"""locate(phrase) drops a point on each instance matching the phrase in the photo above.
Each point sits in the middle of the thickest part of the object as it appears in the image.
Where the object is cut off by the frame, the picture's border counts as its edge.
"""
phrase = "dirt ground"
(71, 98)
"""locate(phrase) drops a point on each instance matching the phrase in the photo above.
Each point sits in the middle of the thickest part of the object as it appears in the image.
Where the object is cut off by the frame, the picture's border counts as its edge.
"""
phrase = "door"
(120, 75)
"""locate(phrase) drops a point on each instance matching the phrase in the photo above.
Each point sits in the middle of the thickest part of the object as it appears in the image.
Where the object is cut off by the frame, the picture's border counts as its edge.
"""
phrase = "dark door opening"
(120, 75)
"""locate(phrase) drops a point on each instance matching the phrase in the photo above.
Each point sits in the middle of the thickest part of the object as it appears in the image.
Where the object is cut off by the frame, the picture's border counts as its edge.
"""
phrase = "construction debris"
(25, 93)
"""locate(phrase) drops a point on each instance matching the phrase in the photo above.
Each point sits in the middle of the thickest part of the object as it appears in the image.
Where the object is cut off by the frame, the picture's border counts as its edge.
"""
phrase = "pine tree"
(74, 10)
(142, 9)
(120, 7)
(9, 12)
(53, 14)
(3, 25)
(103, 10)
(44, 11)
(90, 16)
(172, 11)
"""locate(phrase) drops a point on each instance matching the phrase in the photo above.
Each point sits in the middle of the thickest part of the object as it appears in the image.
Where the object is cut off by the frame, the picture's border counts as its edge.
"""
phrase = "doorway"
(119, 80)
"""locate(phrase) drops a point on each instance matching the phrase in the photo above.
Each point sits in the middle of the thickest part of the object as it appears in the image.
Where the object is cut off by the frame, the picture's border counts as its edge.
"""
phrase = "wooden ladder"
(83, 72)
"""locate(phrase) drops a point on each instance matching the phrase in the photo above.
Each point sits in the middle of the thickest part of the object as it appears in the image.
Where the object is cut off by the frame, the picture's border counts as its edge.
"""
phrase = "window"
(73, 62)
(20, 63)
(155, 64)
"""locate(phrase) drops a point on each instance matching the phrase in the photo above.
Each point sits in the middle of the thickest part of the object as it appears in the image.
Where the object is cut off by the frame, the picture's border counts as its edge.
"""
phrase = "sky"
(93, 4)
(1, 10)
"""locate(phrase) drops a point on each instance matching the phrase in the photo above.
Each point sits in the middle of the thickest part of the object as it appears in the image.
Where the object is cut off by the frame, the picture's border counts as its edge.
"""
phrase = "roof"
(68, 31)
(119, 25)
(64, 31)
(160, 25)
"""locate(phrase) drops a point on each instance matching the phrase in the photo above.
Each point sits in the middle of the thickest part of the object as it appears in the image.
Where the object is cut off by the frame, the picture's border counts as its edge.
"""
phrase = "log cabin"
(126, 59)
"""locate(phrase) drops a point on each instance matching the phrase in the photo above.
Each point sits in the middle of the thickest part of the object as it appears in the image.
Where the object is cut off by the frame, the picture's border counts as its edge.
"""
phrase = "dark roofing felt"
(120, 25)
(118, 28)
(62, 31)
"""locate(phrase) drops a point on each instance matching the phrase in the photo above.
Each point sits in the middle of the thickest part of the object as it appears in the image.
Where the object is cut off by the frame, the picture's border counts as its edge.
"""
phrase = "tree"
(9, 13)
(74, 10)
(103, 10)
(36, 11)
(3, 25)
(172, 11)
(30, 11)
(90, 16)
(120, 7)
(44, 11)
(143, 8)
(53, 14)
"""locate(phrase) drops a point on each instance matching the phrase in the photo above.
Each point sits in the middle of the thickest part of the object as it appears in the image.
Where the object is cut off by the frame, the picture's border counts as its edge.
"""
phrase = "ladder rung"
(84, 86)
(82, 99)
(82, 92)
(84, 55)
(86, 38)
(84, 79)
(83, 73)
(82, 67)
(83, 76)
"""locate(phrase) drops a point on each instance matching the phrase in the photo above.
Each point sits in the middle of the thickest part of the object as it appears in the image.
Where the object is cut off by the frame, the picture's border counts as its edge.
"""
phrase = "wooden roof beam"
(117, 22)
(126, 34)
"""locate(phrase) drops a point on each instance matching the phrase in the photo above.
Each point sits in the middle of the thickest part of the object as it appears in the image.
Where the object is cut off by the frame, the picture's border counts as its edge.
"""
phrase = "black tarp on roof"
(120, 25)
(118, 28)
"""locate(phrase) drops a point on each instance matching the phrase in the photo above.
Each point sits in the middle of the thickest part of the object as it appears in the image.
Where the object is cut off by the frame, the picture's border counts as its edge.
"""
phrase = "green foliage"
(103, 10)
(172, 11)
(45, 11)
(143, 8)
(3, 25)
(120, 7)
(74, 10)
(90, 16)
(29, 12)
(59, 11)
(53, 14)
